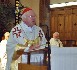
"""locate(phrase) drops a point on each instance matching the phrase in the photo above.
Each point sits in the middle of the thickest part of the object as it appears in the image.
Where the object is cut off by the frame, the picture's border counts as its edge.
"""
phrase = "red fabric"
(25, 10)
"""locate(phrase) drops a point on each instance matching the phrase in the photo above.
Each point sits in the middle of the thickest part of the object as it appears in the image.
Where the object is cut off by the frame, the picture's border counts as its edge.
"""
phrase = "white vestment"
(3, 54)
(55, 42)
(18, 35)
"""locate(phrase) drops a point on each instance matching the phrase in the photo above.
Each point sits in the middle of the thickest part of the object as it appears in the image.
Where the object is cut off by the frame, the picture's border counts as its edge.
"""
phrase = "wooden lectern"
(42, 65)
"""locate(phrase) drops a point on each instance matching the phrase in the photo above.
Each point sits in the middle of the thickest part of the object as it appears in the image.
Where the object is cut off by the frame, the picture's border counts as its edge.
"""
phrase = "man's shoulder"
(37, 27)
(3, 41)
(52, 39)
(16, 27)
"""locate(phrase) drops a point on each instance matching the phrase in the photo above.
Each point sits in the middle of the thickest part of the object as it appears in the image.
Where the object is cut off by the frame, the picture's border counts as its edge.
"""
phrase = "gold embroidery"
(27, 44)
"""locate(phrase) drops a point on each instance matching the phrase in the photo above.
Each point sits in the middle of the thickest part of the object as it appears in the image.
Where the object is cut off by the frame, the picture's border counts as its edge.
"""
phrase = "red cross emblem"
(17, 32)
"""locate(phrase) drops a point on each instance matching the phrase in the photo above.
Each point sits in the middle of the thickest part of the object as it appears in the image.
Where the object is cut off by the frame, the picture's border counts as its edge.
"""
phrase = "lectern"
(36, 60)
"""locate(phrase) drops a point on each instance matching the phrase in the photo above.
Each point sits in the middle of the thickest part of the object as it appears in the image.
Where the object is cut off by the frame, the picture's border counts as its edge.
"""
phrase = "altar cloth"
(64, 58)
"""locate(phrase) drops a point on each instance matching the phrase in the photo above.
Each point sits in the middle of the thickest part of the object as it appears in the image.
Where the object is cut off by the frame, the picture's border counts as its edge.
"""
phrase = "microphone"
(58, 42)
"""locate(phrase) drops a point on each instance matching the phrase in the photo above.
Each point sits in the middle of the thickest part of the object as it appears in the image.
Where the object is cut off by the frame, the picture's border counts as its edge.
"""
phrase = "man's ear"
(23, 16)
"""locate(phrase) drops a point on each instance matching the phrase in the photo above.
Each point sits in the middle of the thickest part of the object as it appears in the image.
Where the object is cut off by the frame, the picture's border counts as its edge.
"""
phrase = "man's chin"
(31, 25)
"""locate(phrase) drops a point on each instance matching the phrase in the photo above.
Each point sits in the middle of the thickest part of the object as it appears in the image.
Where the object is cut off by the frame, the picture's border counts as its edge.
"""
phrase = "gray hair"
(7, 34)
(56, 33)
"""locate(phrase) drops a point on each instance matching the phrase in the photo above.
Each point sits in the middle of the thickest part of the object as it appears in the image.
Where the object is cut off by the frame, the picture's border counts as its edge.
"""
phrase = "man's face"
(6, 37)
(30, 18)
(56, 36)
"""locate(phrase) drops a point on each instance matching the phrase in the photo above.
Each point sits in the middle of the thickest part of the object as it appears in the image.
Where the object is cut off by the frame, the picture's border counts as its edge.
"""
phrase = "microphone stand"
(49, 50)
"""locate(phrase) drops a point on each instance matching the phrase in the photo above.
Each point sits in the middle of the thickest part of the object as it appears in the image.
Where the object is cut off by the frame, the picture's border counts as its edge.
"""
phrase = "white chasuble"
(22, 37)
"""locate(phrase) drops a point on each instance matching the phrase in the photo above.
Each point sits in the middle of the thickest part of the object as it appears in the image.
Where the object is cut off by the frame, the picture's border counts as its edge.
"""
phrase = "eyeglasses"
(31, 16)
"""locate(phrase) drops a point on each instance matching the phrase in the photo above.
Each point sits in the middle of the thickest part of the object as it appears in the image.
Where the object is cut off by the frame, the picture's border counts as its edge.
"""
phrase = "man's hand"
(17, 54)
(34, 47)
(31, 48)
(37, 46)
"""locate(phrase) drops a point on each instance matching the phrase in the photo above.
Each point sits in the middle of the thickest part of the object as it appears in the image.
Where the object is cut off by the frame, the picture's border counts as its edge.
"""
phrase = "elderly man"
(55, 41)
(26, 36)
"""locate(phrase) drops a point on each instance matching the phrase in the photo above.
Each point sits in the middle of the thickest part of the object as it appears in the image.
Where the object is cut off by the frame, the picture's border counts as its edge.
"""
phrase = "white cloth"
(56, 42)
(3, 54)
(24, 58)
(64, 58)
(17, 36)
(37, 58)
